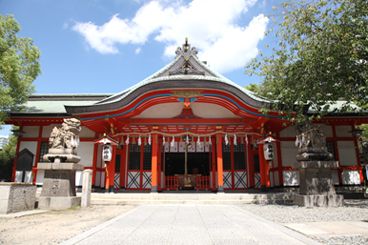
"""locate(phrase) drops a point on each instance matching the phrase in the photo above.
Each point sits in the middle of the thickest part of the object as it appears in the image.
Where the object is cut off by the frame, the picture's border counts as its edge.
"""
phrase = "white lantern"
(107, 152)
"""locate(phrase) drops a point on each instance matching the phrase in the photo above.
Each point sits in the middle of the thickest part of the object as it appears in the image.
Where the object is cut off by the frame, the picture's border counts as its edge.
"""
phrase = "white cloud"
(211, 25)
(137, 50)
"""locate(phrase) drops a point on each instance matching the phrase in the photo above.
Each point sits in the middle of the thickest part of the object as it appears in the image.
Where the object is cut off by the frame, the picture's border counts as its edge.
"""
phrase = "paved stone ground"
(190, 224)
(332, 226)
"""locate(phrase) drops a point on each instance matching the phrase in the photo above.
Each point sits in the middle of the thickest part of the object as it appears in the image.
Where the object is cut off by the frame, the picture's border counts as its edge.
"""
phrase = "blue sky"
(97, 46)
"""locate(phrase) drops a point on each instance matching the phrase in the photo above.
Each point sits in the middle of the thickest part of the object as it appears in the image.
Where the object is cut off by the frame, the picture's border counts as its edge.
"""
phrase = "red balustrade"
(202, 182)
(172, 183)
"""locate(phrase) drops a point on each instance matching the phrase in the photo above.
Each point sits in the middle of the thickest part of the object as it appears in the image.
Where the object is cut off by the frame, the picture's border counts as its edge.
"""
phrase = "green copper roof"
(54, 103)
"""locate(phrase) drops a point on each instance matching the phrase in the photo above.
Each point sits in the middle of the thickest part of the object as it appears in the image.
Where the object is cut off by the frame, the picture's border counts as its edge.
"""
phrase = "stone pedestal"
(316, 185)
(58, 191)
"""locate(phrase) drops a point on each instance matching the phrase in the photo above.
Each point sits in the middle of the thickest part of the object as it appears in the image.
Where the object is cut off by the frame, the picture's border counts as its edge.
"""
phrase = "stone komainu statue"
(311, 143)
(64, 140)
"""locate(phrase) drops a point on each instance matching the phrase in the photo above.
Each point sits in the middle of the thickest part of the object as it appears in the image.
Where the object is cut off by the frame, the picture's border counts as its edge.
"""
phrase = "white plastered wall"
(347, 157)
(326, 129)
(288, 156)
(30, 131)
(347, 153)
(288, 153)
(274, 176)
(86, 133)
(85, 151)
(288, 132)
(291, 131)
(46, 130)
(343, 131)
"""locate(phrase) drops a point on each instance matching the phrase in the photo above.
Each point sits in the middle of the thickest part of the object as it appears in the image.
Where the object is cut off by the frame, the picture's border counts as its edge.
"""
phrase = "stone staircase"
(189, 198)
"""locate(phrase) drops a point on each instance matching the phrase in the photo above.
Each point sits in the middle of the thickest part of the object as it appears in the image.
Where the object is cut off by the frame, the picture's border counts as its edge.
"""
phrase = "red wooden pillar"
(250, 164)
(279, 161)
(37, 157)
(123, 158)
(94, 163)
(154, 163)
(159, 162)
(213, 163)
(220, 171)
(263, 168)
(110, 171)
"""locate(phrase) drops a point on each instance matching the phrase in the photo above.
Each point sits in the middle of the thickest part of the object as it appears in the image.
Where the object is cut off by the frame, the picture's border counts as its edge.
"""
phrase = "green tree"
(19, 66)
(253, 88)
(321, 57)
(8, 151)
(7, 155)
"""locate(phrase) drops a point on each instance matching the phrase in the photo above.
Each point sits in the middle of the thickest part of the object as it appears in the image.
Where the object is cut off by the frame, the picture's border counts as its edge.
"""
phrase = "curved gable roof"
(185, 71)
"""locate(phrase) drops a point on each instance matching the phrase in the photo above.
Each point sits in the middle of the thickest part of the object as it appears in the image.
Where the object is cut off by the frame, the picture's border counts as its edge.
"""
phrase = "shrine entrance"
(193, 174)
(187, 166)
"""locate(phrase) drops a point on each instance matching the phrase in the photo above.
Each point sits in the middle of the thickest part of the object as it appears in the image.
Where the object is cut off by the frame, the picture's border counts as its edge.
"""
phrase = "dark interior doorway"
(198, 163)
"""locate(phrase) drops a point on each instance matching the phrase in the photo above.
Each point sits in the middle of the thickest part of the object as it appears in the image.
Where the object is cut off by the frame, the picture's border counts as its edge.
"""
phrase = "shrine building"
(185, 127)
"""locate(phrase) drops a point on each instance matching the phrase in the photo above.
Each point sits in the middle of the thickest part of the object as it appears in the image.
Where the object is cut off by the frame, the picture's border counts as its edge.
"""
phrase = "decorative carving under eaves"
(187, 69)
(186, 93)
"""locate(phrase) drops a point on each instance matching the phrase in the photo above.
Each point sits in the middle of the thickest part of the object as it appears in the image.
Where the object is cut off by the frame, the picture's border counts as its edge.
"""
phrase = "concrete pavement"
(189, 224)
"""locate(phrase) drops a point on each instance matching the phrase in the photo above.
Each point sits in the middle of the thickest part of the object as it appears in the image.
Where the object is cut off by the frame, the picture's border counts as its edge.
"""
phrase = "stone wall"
(16, 197)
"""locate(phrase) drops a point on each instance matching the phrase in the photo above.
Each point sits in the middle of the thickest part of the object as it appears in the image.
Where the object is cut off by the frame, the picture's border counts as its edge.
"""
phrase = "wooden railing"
(172, 183)
(202, 182)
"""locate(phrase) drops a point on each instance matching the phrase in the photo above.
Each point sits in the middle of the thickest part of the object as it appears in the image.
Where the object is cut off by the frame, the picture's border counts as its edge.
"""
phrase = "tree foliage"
(19, 66)
(8, 151)
(7, 155)
(321, 56)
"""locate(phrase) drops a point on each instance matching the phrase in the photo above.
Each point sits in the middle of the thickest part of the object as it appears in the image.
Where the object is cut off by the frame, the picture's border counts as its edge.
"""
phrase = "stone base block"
(310, 201)
(16, 197)
(58, 203)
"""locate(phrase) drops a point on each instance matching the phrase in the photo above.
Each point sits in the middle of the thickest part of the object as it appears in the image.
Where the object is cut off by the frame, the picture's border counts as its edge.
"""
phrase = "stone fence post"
(86, 188)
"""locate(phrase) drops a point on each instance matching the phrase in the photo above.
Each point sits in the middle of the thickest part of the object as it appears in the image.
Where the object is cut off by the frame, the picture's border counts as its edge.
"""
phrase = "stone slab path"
(189, 224)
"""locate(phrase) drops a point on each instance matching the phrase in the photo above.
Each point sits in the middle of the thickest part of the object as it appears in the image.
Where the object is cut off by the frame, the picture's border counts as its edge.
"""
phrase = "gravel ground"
(54, 227)
(353, 210)
(342, 240)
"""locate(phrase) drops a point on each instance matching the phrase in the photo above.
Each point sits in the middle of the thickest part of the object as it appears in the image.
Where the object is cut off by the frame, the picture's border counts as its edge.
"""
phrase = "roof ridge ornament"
(186, 51)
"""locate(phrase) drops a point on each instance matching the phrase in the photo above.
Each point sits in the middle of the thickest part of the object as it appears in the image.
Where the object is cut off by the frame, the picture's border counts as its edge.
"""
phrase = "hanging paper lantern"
(127, 140)
(209, 140)
(226, 140)
(235, 140)
(149, 139)
(187, 139)
(139, 140)
(163, 140)
(198, 141)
